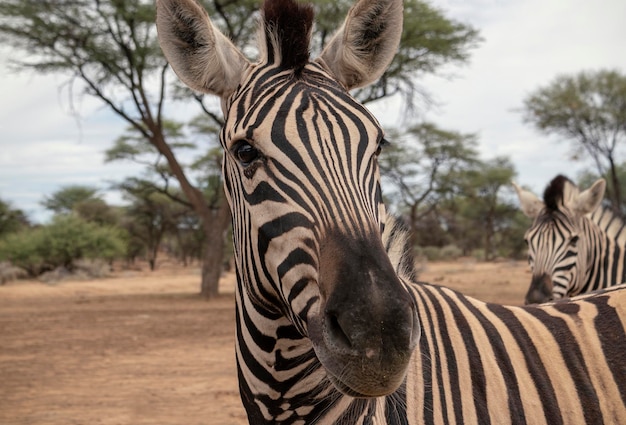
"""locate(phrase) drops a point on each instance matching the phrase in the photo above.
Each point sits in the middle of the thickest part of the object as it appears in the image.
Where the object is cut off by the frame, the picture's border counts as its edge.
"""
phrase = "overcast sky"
(44, 145)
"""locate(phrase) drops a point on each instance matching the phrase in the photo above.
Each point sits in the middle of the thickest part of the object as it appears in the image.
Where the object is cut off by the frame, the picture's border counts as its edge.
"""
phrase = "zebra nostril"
(336, 332)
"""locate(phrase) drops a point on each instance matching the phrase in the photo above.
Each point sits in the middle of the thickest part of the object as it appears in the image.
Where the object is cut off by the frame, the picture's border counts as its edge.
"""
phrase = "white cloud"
(526, 44)
(44, 147)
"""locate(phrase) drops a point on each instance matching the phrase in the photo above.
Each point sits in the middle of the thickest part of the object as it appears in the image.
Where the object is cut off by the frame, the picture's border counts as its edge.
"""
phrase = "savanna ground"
(143, 348)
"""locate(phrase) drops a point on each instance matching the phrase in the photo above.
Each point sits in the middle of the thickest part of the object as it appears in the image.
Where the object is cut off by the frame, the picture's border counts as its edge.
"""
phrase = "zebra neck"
(610, 224)
(281, 380)
(604, 254)
(462, 371)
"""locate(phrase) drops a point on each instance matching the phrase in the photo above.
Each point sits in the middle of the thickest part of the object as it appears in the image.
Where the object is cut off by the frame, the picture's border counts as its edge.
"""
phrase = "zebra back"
(557, 363)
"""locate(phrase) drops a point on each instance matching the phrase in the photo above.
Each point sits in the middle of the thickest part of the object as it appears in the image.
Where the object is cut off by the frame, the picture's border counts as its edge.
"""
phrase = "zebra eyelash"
(248, 156)
(382, 144)
(245, 152)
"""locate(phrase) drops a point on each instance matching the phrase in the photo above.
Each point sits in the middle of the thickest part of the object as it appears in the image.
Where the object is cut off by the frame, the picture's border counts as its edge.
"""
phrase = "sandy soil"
(143, 348)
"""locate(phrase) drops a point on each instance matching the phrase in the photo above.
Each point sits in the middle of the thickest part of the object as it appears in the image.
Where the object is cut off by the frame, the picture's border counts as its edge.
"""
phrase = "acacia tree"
(64, 200)
(85, 201)
(149, 216)
(117, 59)
(480, 201)
(417, 167)
(158, 179)
(11, 219)
(588, 109)
(587, 177)
(110, 46)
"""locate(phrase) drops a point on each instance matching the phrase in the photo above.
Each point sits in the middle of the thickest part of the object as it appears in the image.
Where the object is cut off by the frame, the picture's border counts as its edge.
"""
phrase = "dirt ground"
(143, 348)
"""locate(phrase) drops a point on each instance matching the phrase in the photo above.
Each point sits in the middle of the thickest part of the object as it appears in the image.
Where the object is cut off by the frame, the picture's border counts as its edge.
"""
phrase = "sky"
(51, 137)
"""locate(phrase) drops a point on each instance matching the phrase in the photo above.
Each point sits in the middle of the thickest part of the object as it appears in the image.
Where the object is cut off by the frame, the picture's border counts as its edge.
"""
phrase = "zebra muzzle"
(366, 329)
(540, 290)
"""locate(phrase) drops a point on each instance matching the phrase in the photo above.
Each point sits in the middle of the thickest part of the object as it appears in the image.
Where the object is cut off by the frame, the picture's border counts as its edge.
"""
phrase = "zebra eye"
(573, 241)
(381, 145)
(245, 152)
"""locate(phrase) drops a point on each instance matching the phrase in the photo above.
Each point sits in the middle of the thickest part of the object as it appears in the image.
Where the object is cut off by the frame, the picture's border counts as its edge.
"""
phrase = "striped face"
(302, 180)
(568, 250)
(319, 302)
(301, 158)
(556, 256)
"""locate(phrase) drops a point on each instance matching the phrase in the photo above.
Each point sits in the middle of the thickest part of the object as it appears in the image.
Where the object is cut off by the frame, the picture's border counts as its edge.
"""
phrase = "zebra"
(574, 244)
(332, 327)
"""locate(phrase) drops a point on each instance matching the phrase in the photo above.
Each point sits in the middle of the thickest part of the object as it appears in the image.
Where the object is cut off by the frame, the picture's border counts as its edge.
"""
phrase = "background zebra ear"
(590, 199)
(202, 57)
(362, 49)
(530, 204)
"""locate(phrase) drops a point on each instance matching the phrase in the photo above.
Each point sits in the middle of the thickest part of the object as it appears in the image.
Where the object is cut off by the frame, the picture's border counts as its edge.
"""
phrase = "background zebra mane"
(554, 195)
(560, 189)
(287, 27)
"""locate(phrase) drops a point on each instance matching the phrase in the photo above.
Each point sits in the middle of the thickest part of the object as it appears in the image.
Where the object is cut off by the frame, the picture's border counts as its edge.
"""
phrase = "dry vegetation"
(142, 348)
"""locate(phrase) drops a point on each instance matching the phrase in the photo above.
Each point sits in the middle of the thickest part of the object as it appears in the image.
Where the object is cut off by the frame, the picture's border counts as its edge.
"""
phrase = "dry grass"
(142, 348)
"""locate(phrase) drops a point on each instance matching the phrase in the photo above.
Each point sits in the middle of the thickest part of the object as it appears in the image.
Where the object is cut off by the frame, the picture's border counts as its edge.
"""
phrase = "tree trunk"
(616, 196)
(214, 221)
(413, 226)
(215, 226)
(489, 233)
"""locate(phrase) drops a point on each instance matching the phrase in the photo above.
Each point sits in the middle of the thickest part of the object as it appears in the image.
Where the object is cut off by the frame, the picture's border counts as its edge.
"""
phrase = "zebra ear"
(202, 57)
(530, 204)
(362, 49)
(590, 199)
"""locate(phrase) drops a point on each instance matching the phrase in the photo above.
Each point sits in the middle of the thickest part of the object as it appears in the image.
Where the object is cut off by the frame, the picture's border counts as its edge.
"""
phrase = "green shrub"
(24, 249)
(432, 253)
(478, 254)
(67, 239)
(435, 253)
(450, 252)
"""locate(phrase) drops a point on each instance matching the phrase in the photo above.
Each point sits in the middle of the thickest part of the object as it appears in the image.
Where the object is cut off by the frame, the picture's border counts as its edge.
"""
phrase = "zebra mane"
(286, 28)
(398, 246)
(561, 189)
(555, 193)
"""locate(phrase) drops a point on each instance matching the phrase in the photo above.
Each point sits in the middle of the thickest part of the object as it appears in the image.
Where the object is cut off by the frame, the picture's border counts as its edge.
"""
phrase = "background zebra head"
(559, 241)
(302, 180)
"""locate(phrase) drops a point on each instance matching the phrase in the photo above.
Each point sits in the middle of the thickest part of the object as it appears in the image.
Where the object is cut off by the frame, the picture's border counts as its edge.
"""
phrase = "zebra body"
(559, 363)
(574, 244)
(331, 326)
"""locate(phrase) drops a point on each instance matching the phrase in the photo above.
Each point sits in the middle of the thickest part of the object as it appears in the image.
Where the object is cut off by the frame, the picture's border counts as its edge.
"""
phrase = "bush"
(9, 272)
(435, 253)
(451, 252)
(432, 253)
(479, 254)
(24, 249)
(60, 244)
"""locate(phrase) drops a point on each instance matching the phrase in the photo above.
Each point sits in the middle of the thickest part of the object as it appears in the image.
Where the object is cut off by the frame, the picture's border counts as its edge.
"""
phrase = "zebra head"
(558, 241)
(302, 180)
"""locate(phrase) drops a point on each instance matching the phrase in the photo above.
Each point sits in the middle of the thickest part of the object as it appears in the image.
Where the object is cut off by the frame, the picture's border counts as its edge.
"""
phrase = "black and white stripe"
(574, 246)
(331, 326)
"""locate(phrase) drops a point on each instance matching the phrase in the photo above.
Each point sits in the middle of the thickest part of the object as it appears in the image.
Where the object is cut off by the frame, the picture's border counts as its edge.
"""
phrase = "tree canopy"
(64, 200)
(589, 110)
(109, 49)
(417, 168)
(11, 219)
